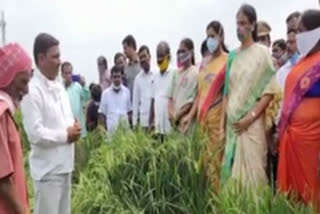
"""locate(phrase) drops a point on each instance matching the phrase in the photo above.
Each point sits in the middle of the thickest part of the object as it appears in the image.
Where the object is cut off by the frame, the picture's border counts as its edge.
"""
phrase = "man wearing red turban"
(15, 73)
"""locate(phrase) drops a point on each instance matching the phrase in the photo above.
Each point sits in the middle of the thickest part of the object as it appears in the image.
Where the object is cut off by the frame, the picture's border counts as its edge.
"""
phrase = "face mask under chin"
(116, 87)
(245, 34)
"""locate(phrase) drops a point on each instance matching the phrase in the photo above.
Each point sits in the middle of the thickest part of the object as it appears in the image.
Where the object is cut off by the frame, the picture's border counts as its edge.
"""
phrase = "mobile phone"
(76, 78)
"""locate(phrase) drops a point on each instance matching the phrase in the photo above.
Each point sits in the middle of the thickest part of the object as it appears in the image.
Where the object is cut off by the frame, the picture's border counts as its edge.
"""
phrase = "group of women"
(230, 95)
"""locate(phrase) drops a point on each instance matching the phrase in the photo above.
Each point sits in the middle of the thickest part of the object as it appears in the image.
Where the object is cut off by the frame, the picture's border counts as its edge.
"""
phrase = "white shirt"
(281, 77)
(161, 87)
(142, 95)
(283, 73)
(46, 116)
(115, 106)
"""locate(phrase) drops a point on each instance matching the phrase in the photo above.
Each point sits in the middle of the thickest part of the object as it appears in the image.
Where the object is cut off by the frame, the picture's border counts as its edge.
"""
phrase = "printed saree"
(250, 75)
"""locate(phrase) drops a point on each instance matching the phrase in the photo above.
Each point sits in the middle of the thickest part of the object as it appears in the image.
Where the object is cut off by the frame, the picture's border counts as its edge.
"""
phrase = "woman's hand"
(243, 124)
(185, 124)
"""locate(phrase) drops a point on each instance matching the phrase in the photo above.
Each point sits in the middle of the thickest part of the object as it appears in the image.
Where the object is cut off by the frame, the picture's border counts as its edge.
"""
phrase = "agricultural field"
(134, 174)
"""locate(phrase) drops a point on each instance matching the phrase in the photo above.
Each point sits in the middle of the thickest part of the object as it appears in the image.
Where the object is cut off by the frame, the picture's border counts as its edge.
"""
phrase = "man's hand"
(82, 81)
(74, 132)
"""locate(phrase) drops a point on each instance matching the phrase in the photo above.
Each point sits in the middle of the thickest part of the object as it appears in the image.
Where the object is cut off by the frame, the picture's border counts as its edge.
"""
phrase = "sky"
(88, 29)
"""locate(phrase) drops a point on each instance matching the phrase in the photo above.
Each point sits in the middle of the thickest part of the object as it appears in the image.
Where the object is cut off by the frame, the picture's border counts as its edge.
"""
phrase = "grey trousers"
(53, 194)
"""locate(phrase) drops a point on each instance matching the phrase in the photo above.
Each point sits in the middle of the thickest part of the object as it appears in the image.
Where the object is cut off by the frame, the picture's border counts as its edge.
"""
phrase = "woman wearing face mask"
(299, 158)
(184, 85)
(210, 86)
(249, 88)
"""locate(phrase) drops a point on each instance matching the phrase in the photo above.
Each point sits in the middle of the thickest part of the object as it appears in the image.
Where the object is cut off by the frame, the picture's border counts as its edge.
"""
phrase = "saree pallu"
(210, 86)
(250, 75)
(299, 165)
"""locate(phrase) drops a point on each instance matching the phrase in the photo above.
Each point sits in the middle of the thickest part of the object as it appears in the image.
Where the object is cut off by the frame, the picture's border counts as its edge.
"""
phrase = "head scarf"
(13, 60)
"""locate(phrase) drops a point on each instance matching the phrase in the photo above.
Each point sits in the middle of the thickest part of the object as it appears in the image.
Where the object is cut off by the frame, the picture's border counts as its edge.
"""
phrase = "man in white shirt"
(293, 58)
(161, 84)
(115, 105)
(51, 129)
(120, 61)
(142, 90)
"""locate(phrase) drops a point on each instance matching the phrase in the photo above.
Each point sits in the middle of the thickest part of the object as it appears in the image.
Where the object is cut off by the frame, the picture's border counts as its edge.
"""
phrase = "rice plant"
(135, 174)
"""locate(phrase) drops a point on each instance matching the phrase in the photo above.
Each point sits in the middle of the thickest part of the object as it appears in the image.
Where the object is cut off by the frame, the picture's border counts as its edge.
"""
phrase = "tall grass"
(134, 174)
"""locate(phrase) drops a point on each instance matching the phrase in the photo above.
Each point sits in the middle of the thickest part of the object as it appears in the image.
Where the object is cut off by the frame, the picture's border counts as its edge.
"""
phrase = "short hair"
(91, 86)
(144, 48)
(115, 69)
(117, 56)
(42, 43)
(96, 92)
(281, 43)
(166, 46)
(295, 14)
(103, 59)
(130, 41)
(64, 64)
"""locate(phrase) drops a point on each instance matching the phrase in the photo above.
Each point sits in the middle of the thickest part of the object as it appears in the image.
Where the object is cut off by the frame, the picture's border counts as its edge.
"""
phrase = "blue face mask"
(212, 44)
(294, 58)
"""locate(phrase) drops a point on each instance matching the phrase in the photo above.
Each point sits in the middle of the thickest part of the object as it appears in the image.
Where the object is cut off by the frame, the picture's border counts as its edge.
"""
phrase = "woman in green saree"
(249, 88)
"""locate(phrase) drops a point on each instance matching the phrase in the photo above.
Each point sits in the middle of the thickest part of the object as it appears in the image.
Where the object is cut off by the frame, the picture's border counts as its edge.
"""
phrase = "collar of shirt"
(53, 85)
(166, 72)
(117, 91)
(68, 86)
(146, 74)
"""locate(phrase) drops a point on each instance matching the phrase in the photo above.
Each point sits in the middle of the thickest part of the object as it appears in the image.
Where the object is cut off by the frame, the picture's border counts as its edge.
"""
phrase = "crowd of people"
(259, 105)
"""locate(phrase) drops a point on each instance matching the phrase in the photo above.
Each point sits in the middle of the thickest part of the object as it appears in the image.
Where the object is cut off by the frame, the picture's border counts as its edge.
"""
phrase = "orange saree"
(299, 165)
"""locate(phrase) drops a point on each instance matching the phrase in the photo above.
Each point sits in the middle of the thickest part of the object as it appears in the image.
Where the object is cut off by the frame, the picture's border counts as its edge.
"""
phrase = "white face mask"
(306, 41)
(115, 87)
(212, 44)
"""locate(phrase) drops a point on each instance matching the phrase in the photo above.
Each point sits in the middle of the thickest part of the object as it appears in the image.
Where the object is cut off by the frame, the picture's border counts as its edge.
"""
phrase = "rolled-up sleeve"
(33, 123)
(6, 164)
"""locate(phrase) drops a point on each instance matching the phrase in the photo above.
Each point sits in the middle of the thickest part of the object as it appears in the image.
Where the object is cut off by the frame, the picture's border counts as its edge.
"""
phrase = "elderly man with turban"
(15, 73)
